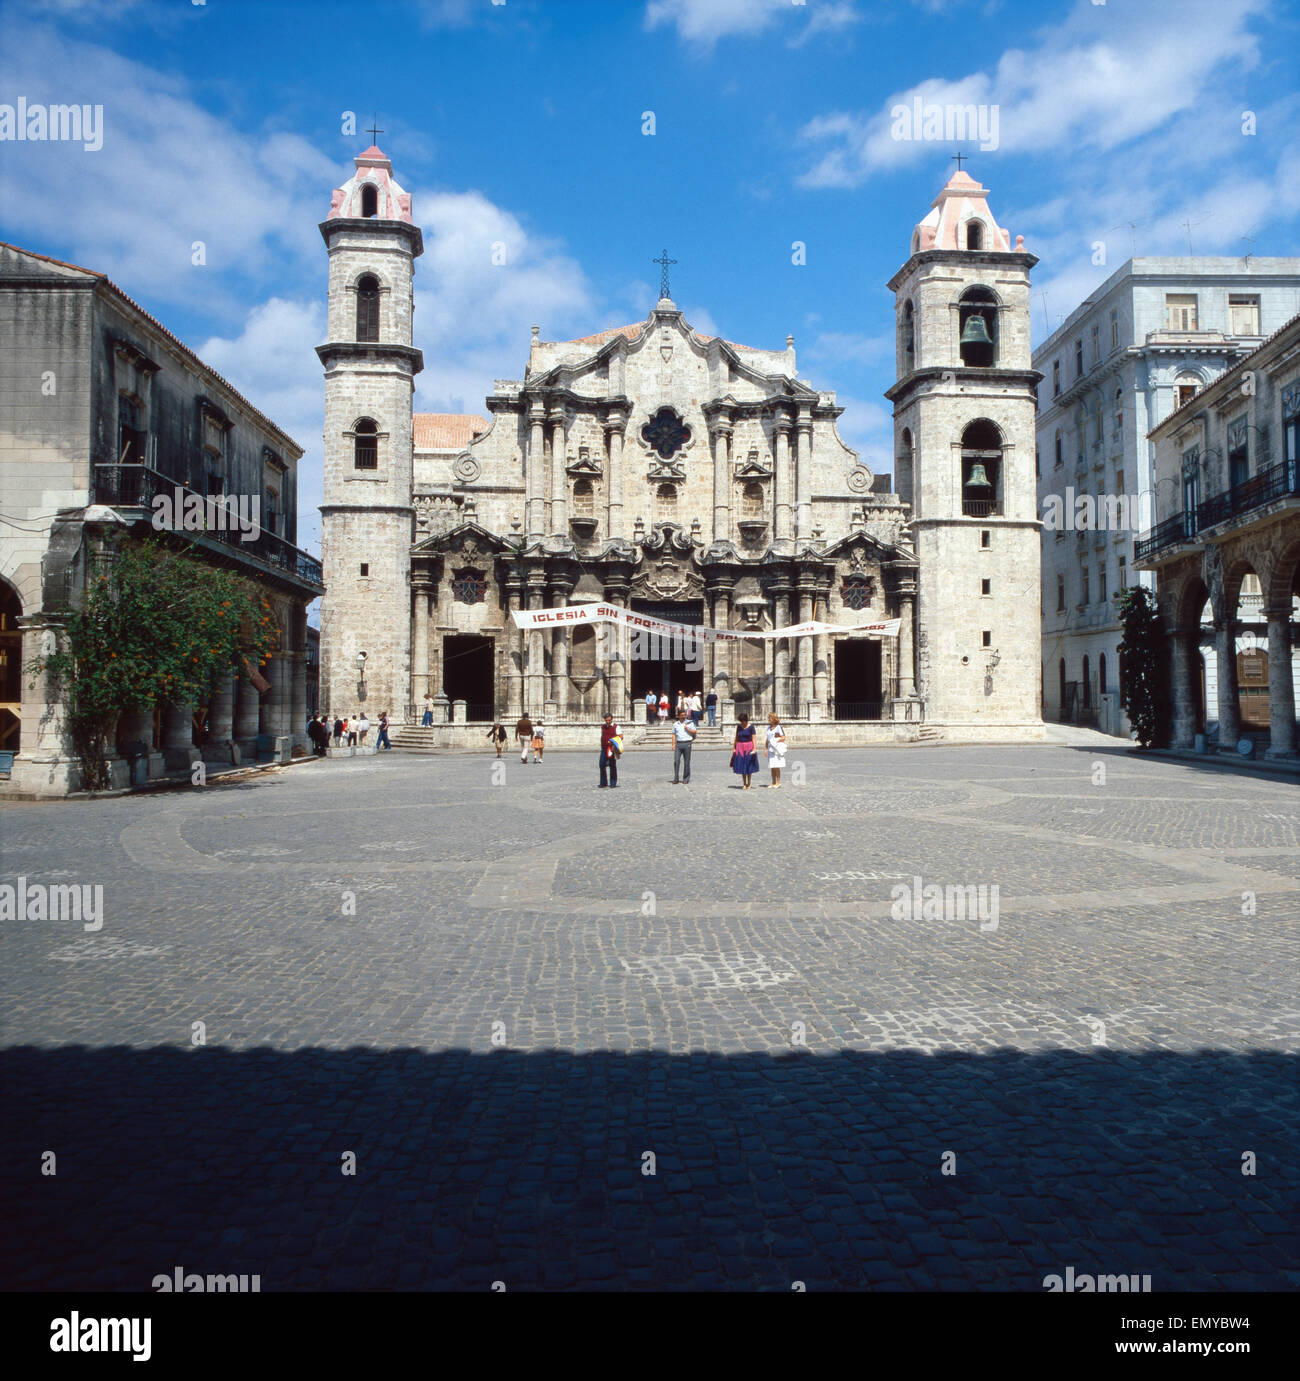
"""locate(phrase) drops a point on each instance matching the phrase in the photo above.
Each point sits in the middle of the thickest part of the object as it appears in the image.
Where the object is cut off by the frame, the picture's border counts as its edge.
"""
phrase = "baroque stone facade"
(683, 475)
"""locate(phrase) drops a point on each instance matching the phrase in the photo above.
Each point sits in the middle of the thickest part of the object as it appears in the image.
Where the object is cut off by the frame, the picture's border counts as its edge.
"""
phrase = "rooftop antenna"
(1250, 242)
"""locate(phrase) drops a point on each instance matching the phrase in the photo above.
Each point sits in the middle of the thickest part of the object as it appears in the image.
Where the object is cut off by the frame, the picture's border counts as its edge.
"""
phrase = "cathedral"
(693, 479)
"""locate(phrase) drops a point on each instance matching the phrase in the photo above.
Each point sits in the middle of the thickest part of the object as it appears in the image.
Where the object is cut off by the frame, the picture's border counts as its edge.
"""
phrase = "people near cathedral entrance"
(651, 704)
(694, 707)
(711, 705)
(539, 739)
(339, 727)
(775, 748)
(363, 728)
(427, 718)
(382, 740)
(524, 735)
(350, 731)
(318, 732)
(608, 752)
(744, 754)
(496, 736)
(663, 707)
(684, 732)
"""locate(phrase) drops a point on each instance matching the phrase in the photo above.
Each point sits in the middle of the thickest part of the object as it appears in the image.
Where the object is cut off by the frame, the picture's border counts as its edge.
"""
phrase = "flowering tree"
(1144, 648)
(154, 626)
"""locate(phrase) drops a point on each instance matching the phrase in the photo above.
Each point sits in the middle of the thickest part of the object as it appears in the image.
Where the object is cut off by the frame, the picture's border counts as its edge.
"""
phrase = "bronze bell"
(976, 331)
(978, 477)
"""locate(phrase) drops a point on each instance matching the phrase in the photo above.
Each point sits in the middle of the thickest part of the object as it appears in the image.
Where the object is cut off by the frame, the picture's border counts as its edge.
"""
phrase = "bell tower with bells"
(964, 439)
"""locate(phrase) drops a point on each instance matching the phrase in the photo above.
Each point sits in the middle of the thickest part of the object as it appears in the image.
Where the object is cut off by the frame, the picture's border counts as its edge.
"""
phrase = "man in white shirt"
(363, 727)
(683, 737)
(695, 707)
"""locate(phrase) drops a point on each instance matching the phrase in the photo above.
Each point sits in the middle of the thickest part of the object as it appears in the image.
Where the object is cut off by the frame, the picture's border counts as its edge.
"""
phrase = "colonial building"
(101, 410)
(1225, 550)
(687, 476)
(1153, 334)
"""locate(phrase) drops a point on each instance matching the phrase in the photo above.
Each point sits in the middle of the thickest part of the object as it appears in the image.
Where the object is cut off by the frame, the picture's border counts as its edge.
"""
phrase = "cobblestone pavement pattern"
(548, 991)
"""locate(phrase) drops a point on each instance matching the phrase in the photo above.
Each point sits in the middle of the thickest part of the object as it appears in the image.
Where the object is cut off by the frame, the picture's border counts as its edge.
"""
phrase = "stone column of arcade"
(535, 473)
(248, 712)
(781, 689)
(805, 654)
(298, 699)
(1281, 683)
(1182, 647)
(723, 656)
(221, 720)
(514, 636)
(1225, 650)
(821, 660)
(557, 702)
(178, 736)
(803, 474)
(616, 594)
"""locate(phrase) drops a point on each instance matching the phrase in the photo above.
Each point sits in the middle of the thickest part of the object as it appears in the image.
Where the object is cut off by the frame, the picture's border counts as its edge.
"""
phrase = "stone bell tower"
(367, 518)
(964, 438)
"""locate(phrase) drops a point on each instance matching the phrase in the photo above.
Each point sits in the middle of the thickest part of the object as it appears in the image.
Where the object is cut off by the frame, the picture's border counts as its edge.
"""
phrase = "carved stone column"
(806, 597)
(535, 666)
(421, 592)
(614, 441)
(906, 655)
(781, 687)
(558, 517)
(616, 592)
(782, 482)
(557, 702)
(1281, 683)
(821, 659)
(722, 479)
(803, 474)
(535, 472)
(1225, 652)
(514, 648)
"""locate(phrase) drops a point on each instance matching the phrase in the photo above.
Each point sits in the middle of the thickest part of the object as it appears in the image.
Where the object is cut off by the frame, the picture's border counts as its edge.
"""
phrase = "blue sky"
(523, 123)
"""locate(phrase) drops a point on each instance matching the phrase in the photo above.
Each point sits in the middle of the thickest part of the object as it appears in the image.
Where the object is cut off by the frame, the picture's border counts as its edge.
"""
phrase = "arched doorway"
(11, 668)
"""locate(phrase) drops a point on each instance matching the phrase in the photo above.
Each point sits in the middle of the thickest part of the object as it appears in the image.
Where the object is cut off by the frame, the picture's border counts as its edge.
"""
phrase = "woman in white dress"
(775, 749)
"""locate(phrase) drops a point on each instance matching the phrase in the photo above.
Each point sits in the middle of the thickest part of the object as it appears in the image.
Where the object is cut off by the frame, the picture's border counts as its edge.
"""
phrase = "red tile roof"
(444, 431)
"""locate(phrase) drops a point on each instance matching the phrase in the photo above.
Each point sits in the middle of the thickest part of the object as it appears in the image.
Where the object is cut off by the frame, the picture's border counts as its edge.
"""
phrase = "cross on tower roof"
(663, 277)
(957, 158)
(375, 131)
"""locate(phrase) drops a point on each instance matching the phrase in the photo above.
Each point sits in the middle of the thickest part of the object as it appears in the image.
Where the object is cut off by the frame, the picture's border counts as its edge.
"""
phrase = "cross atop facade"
(663, 276)
(375, 131)
(957, 158)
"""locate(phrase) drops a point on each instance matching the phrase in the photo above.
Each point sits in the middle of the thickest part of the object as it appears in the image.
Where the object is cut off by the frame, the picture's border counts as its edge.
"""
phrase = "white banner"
(568, 615)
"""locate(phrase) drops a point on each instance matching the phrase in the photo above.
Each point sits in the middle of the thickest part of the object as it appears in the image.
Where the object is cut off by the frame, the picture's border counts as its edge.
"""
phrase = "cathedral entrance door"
(667, 664)
(859, 691)
(467, 674)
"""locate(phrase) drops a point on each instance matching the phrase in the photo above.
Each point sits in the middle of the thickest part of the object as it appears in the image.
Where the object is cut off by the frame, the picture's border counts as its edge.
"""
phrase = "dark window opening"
(369, 200)
(130, 435)
(986, 537)
(974, 235)
(986, 587)
(986, 638)
(977, 320)
(365, 568)
(368, 308)
(366, 445)
(981, 469)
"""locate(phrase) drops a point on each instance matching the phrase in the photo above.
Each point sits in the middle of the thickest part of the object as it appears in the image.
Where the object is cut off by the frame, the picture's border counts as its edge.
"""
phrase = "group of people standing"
(744, 749)
(696, 706)
(350, 732)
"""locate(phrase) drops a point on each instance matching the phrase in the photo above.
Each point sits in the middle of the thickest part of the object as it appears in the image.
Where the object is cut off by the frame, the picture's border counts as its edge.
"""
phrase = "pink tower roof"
(373, 167)
(961, 202)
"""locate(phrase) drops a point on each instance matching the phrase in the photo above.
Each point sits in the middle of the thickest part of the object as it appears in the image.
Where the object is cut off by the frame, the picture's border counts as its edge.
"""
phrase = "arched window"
(584, 499)
(369, 200)
(365, 444)
(974, 235)
(1186, 387)
(751, 501)
(1119, 409)
(1058, 456)
(977, 320)
(666, 502)
(1101, 674)
(368, 307)
(981, 469)
(909, 338)
(1087, 685)
(1062, 686)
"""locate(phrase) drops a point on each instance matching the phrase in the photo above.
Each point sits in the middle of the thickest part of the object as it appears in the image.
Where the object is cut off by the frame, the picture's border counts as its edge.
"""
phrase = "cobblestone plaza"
(662, 1037)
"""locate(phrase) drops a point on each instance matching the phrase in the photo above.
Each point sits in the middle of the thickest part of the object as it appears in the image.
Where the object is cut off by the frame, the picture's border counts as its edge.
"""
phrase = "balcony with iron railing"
(136, 486)
(981, 508)
(1280, 481)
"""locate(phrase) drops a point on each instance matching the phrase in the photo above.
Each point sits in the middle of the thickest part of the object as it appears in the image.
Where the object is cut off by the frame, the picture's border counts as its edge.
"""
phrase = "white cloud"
(169, 174)
(701, 23)
(1100, 79)
(832, 348)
